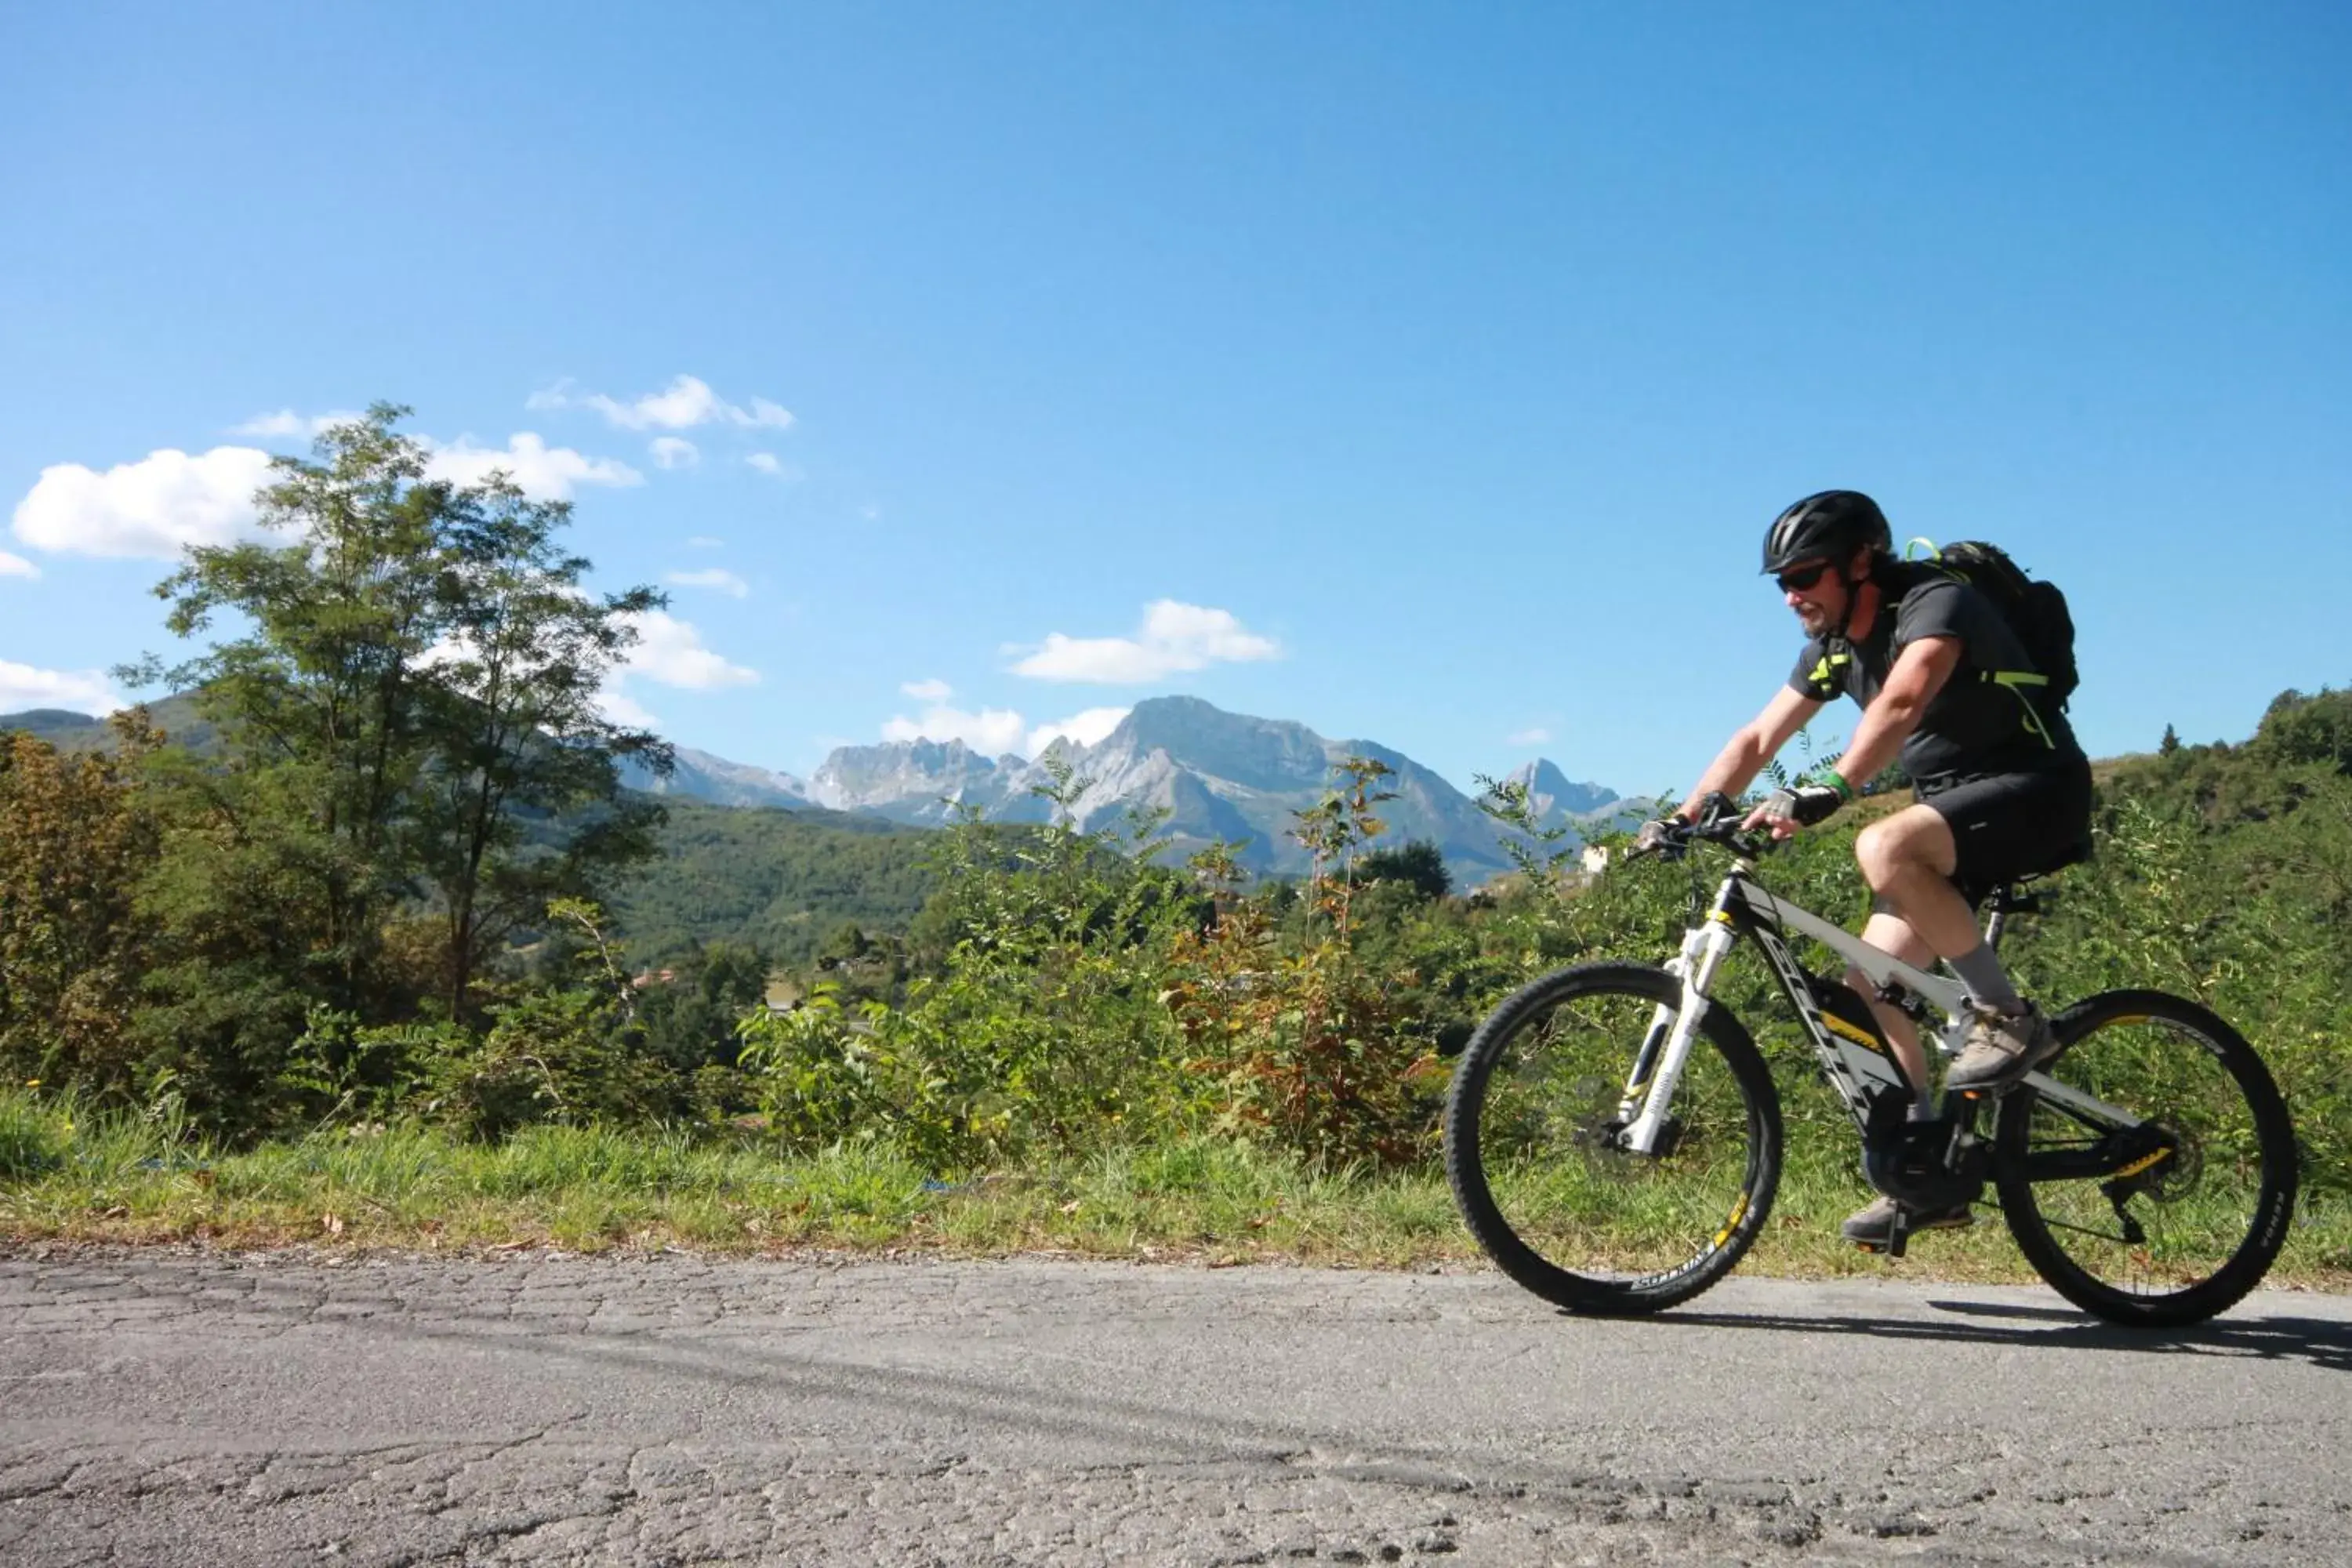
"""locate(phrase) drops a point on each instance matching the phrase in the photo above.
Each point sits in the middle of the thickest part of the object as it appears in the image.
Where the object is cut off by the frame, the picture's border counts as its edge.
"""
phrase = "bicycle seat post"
(2007, 898)
(1996, 914)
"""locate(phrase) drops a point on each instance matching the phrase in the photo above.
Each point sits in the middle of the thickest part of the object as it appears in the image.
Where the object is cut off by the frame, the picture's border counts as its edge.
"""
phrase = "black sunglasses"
(1799, 579)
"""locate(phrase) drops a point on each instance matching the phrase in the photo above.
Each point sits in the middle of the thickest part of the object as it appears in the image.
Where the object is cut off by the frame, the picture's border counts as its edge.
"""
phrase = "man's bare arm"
(1752, 745)
(1919, 672)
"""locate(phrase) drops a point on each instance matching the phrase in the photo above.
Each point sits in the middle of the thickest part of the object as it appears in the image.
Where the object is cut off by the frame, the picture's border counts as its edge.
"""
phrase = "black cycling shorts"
(2009, 826)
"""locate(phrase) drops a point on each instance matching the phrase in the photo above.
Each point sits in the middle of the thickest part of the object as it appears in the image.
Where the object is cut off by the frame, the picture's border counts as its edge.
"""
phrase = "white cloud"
(1085, 728)
(1533, 737)
(704, 542)
(151, 509)
(927, 690)
(79, 690)
(157, 507)
(675, 452)
(16, 566)
(715, 577)
(773, 466)
(990, 732)
(286, 422)
(543, 472)
(619, 707)
(1175, 637)
(684, 404)
(671, 652)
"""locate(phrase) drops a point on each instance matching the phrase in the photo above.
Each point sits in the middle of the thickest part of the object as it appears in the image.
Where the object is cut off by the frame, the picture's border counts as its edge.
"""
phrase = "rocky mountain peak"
(1257, 753)
(1551, 791)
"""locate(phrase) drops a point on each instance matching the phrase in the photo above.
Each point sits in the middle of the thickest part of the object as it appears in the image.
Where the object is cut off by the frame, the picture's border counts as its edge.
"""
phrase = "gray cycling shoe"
(1874, 1226)
(2003, 1047)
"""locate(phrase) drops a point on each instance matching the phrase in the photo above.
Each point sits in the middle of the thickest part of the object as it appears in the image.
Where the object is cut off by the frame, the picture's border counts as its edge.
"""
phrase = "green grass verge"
(69, 1177)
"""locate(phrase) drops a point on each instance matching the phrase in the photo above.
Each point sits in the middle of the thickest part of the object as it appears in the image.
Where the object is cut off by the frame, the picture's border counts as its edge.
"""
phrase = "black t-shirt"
(1977, 725)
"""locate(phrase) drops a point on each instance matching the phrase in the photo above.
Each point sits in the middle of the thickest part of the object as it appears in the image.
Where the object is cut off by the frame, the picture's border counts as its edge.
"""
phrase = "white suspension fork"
(1703, 952)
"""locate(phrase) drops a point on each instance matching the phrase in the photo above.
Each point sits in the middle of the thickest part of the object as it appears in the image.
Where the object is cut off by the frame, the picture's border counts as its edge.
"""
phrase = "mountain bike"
(1614, 1136)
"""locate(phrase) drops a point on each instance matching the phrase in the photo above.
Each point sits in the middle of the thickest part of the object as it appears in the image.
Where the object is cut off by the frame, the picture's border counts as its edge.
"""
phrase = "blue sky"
(1433, 370)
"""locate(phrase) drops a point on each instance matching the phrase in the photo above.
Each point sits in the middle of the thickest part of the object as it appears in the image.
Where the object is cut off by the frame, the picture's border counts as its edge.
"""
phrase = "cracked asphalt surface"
(165, 1408)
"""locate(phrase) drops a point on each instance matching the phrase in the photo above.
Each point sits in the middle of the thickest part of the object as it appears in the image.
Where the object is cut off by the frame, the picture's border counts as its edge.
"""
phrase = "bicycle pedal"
(1898, 1237)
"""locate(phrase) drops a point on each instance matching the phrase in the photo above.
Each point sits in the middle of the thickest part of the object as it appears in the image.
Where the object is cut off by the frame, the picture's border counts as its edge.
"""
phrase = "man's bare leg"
(1907, 859)
(1890, 932)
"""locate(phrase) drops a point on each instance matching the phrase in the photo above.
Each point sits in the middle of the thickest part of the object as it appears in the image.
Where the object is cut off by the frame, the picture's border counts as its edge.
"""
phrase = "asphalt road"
(169, 1408)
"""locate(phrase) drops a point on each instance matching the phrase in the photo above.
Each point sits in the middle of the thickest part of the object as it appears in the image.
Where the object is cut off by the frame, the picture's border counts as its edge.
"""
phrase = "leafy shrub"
(1308, 1047)
(363, 1072)
(818, 1070)
(562, 1057)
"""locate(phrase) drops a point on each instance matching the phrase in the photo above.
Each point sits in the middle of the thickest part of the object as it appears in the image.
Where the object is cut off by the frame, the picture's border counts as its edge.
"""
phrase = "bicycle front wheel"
(1543, 1176)
(2174, 1212)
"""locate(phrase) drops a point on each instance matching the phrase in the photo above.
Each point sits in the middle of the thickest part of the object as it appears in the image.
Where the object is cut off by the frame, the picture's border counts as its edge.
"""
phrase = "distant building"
(1596, 860)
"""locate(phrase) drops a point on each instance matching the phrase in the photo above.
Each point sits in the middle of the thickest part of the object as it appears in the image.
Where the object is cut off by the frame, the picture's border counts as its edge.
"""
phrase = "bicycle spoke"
(2083, 1230)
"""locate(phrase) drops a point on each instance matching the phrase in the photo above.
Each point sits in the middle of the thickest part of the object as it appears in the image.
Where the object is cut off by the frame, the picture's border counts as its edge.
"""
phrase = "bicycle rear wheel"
(2163, 1223)
(1542, 1178)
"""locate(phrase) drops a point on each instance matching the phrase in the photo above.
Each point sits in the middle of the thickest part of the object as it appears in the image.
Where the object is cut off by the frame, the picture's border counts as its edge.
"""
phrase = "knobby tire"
(2212, 1220)
(1727, 1090)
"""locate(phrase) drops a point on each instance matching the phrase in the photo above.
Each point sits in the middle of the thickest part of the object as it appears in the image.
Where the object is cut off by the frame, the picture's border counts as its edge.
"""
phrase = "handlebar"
(1718, 823)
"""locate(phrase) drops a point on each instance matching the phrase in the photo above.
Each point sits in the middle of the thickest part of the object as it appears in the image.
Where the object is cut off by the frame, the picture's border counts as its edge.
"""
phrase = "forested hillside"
(783, 881)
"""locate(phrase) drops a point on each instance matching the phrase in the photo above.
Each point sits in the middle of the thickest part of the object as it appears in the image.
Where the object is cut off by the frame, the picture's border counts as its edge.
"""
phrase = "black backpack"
(2035, 610)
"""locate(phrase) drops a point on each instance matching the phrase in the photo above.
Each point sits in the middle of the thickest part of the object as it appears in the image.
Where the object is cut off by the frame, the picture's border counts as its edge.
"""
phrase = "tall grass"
(68, 1174)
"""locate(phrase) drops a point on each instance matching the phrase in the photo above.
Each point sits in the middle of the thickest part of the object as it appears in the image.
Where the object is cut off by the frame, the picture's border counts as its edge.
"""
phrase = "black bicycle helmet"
(1830, 526)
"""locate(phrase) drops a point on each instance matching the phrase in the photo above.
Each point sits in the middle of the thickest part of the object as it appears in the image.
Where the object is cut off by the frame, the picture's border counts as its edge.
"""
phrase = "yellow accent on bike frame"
(1845, 1031)
(2136, 1166)
(2130, 1018)
(1739, 1212)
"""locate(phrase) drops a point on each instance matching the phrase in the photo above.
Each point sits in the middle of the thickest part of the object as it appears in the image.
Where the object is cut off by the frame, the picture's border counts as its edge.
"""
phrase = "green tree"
(513, 728)
(2314, 729)
(320, 697)
(75, 843)
(410, 711)
(690, 1020)
(238, 901)
(1418, 865)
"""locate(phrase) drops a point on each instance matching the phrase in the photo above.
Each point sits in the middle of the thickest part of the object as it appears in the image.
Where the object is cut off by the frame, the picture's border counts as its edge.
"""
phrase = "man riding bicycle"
(2004, 790)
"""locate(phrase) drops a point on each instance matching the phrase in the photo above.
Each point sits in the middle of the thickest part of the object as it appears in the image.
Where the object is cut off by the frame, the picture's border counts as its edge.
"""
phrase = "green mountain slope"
(68, 731)
(783, 879)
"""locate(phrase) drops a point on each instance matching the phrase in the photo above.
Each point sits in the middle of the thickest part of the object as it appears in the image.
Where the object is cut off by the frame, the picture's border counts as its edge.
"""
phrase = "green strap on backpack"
(2035, 610)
